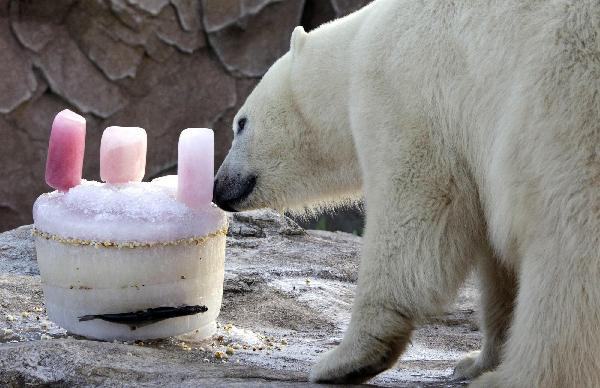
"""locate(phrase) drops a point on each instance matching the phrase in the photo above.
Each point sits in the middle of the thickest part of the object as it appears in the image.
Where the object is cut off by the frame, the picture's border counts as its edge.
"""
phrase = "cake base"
(87, 285)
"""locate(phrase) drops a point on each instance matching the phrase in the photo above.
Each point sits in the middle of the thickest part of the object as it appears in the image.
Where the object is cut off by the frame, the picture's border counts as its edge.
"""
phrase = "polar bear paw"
(336, 367)
(488, 380)
(471, 366)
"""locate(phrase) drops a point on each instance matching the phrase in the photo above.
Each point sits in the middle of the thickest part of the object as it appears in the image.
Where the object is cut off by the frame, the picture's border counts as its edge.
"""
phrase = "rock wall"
(164, 65)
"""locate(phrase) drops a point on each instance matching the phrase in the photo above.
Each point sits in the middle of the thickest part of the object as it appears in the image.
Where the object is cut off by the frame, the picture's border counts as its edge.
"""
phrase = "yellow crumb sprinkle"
(220, 355)
(128, 244)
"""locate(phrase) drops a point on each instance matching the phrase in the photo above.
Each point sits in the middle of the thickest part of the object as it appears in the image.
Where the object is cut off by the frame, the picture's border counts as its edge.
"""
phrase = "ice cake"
(125, 259)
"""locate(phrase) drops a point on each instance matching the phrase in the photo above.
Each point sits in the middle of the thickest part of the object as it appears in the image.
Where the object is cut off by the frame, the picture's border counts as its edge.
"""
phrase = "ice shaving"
(126, 259)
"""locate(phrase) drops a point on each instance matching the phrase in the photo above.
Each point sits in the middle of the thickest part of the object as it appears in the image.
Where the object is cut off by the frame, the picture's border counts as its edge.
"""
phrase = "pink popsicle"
(64, 164)
(123, 154)
(195, 168)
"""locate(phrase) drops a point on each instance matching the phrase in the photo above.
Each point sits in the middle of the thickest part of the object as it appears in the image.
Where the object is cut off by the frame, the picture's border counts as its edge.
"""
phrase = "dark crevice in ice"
(146, 317)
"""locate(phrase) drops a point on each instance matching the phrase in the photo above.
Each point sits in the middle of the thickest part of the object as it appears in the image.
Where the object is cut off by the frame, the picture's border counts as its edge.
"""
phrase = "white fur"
(473, 130)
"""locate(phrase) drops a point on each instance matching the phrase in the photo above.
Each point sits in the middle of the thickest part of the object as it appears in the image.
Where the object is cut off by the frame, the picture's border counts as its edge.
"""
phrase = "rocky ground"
(287, 298)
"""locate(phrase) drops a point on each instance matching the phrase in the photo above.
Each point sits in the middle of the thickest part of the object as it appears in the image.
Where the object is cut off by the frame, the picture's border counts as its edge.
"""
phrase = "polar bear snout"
(231, 190)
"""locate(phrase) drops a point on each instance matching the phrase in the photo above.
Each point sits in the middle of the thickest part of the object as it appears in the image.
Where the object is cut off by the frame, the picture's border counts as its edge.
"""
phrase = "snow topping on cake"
(135, 211)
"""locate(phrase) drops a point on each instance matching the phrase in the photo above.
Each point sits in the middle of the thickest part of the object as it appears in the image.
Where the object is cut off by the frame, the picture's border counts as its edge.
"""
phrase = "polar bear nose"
(230, 191)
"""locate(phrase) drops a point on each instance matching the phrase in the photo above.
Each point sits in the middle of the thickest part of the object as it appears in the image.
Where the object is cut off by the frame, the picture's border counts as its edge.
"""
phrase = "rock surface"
(161, 64)
(17, 82)
(287, 298)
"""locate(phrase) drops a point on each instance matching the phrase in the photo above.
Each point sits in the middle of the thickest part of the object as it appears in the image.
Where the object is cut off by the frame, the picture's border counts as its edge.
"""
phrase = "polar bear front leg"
(419, 246)
(498, 286)
(377, 335)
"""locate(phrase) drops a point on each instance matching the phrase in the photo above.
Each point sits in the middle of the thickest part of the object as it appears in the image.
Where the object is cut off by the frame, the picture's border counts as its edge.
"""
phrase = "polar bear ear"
(298, 39)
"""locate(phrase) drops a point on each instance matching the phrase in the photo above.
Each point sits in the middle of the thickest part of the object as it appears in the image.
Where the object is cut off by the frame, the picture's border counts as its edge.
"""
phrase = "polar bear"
(472, 128)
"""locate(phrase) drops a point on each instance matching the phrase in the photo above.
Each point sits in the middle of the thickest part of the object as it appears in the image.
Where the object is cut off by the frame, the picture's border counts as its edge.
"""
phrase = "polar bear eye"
(241, 124)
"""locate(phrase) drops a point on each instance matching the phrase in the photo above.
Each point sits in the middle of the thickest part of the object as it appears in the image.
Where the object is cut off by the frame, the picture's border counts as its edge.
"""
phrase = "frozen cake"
(125, 259)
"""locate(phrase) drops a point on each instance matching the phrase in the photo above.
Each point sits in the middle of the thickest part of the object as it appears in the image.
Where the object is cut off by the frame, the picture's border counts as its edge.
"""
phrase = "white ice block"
(84, 280)
(106, 249)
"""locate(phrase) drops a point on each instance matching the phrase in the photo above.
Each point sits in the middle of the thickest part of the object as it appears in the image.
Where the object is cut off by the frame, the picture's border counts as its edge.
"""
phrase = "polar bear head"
(281, 157)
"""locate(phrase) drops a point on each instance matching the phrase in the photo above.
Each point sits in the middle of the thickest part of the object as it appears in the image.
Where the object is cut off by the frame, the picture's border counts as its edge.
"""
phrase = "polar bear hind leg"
(498, 286)
(555, 337)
